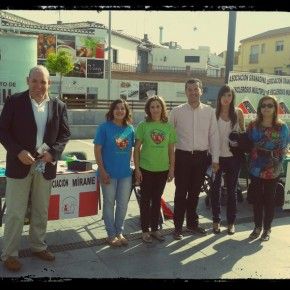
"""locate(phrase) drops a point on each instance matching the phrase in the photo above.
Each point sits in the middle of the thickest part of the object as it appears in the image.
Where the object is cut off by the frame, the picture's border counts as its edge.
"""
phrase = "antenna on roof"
(59, 21)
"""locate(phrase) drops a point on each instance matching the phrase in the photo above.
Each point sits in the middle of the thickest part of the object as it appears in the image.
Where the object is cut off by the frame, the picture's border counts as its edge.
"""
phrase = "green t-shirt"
(155, 138)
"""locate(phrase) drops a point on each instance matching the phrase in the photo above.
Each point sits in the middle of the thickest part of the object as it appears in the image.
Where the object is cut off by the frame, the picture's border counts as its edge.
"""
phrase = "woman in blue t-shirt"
(270, 137)
(113, 148)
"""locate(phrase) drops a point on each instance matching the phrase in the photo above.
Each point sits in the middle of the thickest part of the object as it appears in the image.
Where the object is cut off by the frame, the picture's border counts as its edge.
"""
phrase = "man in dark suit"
(28, 121)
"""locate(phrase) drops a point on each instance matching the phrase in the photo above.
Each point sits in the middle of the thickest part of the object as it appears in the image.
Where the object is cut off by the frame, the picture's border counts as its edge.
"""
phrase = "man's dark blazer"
(18, 132)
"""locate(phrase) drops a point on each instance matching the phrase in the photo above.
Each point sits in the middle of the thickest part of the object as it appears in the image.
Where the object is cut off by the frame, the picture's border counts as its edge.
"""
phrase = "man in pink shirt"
(197, 135)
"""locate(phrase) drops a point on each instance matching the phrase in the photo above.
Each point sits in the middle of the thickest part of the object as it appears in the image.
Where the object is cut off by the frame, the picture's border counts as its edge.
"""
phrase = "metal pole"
(109, 57)
(231, 44)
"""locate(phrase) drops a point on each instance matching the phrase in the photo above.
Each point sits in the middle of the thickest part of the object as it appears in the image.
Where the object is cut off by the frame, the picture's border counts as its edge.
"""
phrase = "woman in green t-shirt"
(154, 163)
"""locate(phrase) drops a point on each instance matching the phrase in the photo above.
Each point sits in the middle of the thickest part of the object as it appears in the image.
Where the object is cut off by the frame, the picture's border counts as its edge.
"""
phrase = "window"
(254, 54)
(92, 93)
(115, 56)
(192, 58)
(278, 71)
(263, 48)
(279, 45)
(254, 58)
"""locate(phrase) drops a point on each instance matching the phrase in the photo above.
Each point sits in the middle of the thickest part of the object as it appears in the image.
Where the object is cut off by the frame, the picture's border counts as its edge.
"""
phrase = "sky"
(190, 29)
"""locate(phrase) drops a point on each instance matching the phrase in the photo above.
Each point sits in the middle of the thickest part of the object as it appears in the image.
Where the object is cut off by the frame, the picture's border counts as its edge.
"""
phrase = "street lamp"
(231, 44)
(109, 56)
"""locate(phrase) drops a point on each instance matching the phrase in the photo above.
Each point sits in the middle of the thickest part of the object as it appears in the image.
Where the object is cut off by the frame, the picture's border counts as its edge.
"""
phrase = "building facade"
(267, 52)
(87, 42)
(17, 53)
(177, 59)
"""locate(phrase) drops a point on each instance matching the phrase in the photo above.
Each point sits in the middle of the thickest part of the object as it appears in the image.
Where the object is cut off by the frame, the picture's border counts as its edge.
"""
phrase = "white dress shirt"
(196, 129)
(40, 112)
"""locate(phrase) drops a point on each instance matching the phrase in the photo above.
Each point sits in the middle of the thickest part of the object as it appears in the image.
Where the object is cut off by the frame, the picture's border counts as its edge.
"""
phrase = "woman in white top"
(229, 120)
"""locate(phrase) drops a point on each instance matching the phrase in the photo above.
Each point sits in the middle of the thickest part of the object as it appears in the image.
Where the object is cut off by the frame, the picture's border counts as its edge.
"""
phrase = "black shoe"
(255, 233)
(177, 235)
(196, 230)
(265, 236)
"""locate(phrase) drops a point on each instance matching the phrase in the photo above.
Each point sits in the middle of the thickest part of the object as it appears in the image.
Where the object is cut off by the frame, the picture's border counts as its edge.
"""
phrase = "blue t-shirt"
(117, 143)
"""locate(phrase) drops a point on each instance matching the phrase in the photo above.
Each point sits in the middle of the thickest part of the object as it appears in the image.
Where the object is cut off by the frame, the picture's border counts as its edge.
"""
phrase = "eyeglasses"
(269, 106)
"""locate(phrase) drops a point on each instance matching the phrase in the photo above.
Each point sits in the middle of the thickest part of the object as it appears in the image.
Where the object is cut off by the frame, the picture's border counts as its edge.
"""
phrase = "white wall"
(170, 91)
(175, 57)
(17, 57)
(127, 50)
(216, 60)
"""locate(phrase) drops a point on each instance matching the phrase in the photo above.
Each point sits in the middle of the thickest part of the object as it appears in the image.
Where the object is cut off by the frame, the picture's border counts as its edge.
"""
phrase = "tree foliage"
(60, 62)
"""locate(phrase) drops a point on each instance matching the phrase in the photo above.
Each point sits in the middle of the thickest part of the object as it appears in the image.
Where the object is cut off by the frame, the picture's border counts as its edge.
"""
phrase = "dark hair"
(232, 113)
(194, 81)
(160, 100)
(110, 115)
(275, 120)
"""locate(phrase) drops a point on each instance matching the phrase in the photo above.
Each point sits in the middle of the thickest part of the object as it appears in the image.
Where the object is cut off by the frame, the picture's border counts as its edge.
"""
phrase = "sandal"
(216, 228)
(231, 229)
(158, 236)
(114, 242)
(123, 240)
(146, 237)
(255, 233)
(265, 236)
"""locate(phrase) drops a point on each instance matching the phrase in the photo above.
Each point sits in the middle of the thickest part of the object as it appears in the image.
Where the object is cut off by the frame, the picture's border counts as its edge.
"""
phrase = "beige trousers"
(17, 195)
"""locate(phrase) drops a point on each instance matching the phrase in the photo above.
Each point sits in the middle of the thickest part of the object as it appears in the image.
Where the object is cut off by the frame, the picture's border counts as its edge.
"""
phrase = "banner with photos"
(129, 90)
(87, 52)
(147, 90)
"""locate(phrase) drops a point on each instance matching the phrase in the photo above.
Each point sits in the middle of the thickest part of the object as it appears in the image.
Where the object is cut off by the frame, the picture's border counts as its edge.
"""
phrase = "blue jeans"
(231, 167)
(116, 193)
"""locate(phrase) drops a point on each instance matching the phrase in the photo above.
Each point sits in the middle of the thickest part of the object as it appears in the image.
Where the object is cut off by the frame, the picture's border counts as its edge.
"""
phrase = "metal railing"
(168, 69)
(105, 104)
(123, 67)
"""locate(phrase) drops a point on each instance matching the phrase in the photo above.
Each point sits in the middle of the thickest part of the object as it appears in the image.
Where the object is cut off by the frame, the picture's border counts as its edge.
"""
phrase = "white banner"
(250, 87)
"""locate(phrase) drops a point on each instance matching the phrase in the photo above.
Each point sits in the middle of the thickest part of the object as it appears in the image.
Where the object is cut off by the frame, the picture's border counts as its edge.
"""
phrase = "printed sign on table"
(73, 195)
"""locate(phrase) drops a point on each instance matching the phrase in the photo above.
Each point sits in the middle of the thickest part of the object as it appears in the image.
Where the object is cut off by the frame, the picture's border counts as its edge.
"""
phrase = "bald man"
(29, 121)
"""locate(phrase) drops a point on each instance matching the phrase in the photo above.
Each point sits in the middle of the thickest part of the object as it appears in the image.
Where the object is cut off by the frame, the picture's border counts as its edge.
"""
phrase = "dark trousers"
(190, 171)
(152, 187)
(264, 201)
(231, 167)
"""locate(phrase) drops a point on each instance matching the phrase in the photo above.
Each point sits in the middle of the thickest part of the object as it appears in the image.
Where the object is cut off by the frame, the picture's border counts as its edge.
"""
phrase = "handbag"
(240, 143)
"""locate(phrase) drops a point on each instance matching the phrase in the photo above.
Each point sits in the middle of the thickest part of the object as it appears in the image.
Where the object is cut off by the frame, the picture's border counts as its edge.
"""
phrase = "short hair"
(39, 68)
(160, 100)
(110, 115)
(194, 81)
